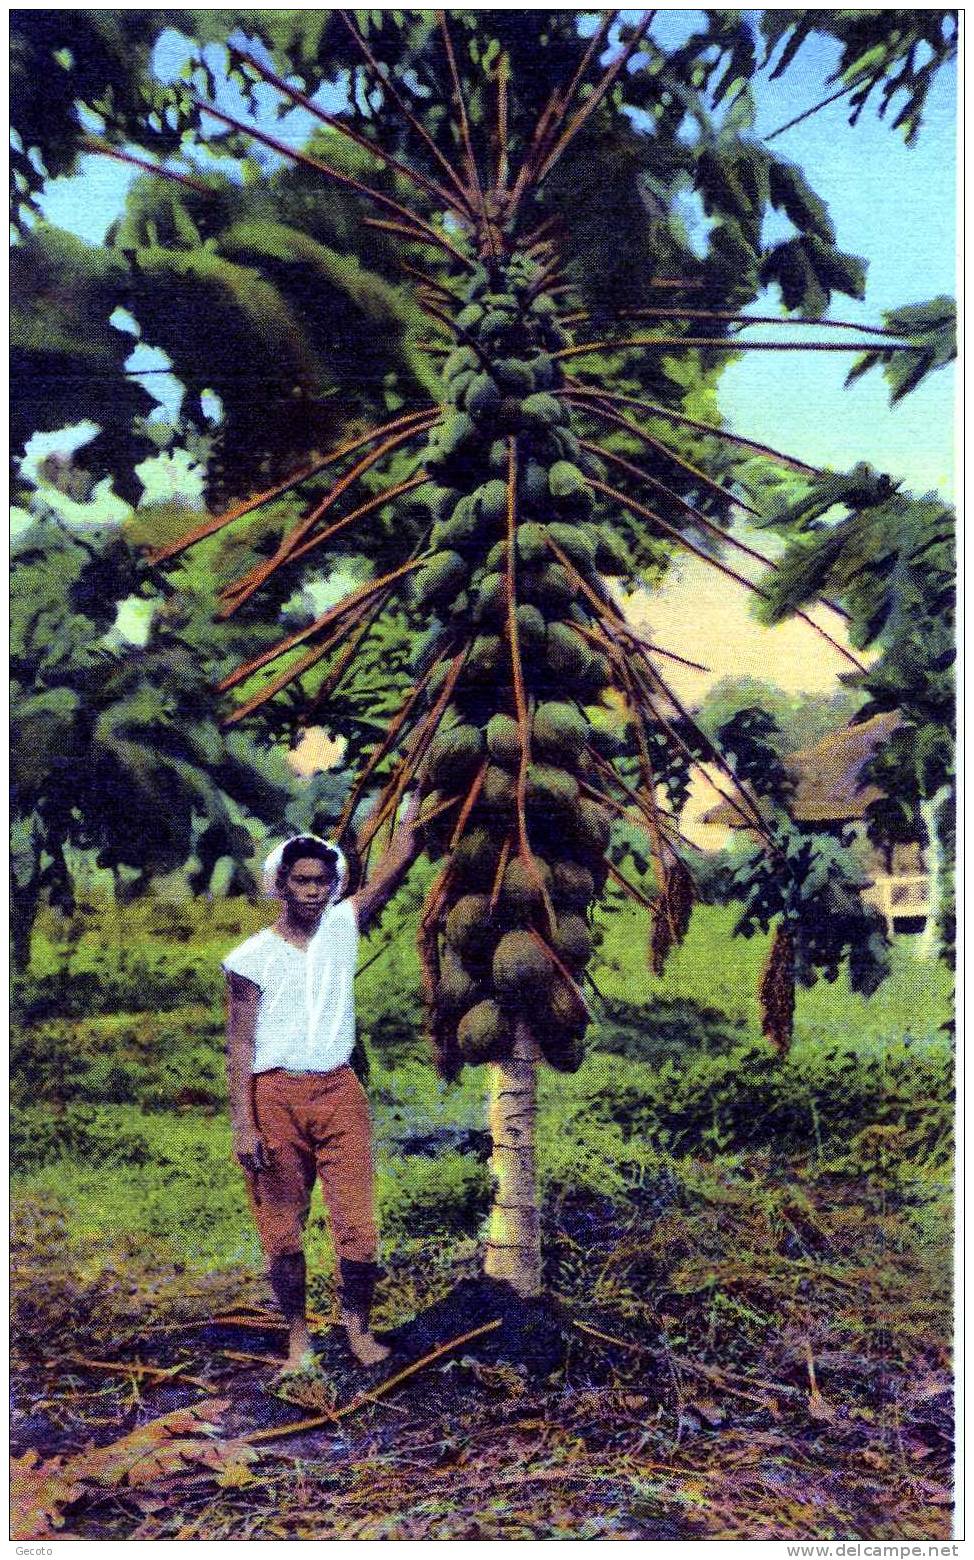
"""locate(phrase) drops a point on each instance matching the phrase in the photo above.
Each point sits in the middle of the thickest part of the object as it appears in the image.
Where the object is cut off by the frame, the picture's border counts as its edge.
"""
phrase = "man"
(296, 1107)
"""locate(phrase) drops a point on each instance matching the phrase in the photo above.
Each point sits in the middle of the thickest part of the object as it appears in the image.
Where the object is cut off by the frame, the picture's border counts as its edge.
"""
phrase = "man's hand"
(253, 1154)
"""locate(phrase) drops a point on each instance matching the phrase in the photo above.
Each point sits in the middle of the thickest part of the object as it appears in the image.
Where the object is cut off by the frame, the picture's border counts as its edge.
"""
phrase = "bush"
(38, 1136)
(748, 1097)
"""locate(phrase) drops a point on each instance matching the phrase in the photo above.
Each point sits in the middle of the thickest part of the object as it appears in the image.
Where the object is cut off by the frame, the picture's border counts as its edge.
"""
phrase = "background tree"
(891, 558)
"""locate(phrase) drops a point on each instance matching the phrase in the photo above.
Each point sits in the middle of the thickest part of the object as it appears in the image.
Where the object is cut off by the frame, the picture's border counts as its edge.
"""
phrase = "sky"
(892, 204)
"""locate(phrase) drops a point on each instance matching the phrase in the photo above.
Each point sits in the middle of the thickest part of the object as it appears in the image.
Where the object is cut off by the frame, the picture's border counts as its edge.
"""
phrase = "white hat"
(272, 865)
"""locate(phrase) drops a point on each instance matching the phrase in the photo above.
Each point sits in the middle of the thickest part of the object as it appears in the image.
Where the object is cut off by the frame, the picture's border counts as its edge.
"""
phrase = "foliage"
(884, 53)
(801, 719)
(802, 882)
(114, 752)
(890, 558)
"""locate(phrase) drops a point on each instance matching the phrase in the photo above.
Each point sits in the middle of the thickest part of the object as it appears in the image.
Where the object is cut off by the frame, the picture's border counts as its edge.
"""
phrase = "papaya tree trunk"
(514, 1234)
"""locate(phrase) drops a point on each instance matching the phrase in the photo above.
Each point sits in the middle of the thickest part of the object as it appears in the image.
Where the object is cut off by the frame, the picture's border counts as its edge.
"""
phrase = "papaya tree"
(538, 725)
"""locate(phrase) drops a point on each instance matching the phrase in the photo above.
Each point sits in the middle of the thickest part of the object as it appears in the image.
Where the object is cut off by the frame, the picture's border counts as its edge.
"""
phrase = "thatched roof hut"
(829, 786)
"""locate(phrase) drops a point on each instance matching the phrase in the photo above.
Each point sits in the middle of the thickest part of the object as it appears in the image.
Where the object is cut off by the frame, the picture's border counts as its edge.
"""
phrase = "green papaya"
(461, 360)
(574, 886)
(475, 858)
(559, 732)
(566, 653)
(573, 942)
(549, 587)
(533, 484)
(453, 756)
(591, 829)
(490, 501)
(565, 480)
(541, 410)
(520, 892)
(484, 1034)
(483, 664)
(440, 580)
(448, 437)
(531, 545)
(514, 376)
(482, 398)
(496, 323)
(504, 741)
(491, 600)
(498, 789)
(470, 316)
(611, 554)
(522, 970)
(531, 628)
(468, 927)
(576, 542)
(456, 990)
(550, 789)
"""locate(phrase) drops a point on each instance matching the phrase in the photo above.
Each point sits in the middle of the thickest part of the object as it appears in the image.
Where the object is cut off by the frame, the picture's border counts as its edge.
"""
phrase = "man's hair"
(303, 849)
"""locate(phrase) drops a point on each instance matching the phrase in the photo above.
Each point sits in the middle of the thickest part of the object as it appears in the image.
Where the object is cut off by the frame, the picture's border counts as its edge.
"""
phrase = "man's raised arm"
(371, 897)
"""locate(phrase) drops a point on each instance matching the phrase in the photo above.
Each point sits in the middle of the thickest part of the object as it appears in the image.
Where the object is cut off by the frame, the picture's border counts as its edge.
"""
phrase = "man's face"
(308, 885)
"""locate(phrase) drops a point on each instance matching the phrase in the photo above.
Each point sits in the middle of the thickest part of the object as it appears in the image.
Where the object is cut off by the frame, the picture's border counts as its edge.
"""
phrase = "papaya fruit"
(591, 830)
(484, 1033)
(475, 858)
(520, 893)
(468, 928)
(573, 941)
(531, 628)
(453, 756)
(522, 970)
(567, 656)
(549, 587)
(504, 741)
(456, 990)
(530, 541)
(440, 580)
(461, 360)
(559, 732)
(470, 316)
(491, 598)
(576, 542)
(550, 789)
(573, 886)
(514, 376)
(498, 789)
(565, 480)
(482, 399)
(533, 484)
(483, 664)
(541, 410)
(490, 501)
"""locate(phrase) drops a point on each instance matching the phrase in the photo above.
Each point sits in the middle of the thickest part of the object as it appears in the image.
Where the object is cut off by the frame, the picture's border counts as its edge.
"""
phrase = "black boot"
(358, 1281)
(289, 1281)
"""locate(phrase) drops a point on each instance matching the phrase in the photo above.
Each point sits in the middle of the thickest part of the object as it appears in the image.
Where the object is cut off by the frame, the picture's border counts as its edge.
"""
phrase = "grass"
(733, 1214)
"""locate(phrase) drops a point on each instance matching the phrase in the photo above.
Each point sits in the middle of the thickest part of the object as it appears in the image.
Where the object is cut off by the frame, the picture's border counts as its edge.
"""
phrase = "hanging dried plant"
(776, 991)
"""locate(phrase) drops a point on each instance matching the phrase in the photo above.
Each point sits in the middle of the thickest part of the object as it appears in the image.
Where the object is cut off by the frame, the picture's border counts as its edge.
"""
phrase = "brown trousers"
(316, 1124)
